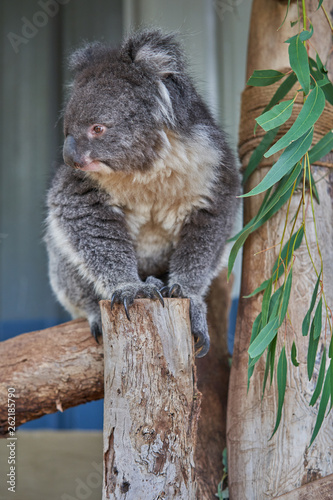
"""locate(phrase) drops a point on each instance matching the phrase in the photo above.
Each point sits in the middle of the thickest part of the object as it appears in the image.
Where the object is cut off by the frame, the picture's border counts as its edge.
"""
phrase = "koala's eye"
(97, 129)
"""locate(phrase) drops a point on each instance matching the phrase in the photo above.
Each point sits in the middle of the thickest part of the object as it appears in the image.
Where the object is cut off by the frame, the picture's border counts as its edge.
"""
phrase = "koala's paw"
(170, 291)
(151, 280)
(130, 291)
(199, 327)
(96, 328)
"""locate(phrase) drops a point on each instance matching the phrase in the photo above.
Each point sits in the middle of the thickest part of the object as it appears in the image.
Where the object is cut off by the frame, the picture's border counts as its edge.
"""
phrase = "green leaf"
(258, 153)
(256, 327)
(264, 77)
(274, 305)
(298, 58)
(303, 35)
(278, 199)
(276, 116)
(319, 4)
(272, 349)
(317, 319)
(309, 114)
(281, 382)
(285, 17)
(322, 148)
(265, 302)
(264, 338)
(306, 320)
(282, 91)
(292, 244)
(312, 350)
(319, 73)
(292, 154)
(295, 242)
(286, 296)
(322, 406)
(320, 379)
(294, 355)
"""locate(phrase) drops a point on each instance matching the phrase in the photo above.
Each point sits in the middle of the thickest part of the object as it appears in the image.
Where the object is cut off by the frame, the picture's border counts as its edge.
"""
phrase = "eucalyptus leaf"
(285, 17)
(312, 350)
(307, 317)
(294, 355)
(283, 89)
(322, 406)
(276, 116)
(309, 114)
(290, 157)
(320, 379)
(256, 327)
(275, 302)
(281, 383)
(303, 35)
(264, 338)
(265, 302)
(322, 148)
(258, 153)
(298, 58)
(292, 244)
(279, 198)
(317, 319)
(320, 76)
(286, 296)
(272, 349)
(264, 77)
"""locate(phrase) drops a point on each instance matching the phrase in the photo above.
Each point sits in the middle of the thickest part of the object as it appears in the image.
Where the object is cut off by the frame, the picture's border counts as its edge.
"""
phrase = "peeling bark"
(151, 402)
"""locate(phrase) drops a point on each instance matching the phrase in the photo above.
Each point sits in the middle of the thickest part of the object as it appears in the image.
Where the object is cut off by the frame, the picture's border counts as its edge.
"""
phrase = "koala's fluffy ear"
(160, 52)
(83, 56)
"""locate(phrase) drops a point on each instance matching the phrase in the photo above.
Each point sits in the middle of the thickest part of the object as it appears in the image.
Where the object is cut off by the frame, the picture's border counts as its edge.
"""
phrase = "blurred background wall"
(37, 36)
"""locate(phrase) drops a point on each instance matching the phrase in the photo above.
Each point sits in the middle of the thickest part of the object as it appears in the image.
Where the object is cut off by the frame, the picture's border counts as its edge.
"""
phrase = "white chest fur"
(156, 203)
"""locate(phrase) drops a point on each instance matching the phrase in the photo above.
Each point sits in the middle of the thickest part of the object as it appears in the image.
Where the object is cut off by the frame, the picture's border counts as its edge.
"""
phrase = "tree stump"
(151, 402)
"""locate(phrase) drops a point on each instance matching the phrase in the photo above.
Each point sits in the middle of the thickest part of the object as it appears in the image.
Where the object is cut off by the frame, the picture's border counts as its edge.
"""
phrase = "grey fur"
(153, 123)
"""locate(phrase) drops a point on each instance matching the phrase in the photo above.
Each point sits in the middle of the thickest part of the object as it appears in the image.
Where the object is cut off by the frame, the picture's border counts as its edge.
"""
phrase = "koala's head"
(121, 100)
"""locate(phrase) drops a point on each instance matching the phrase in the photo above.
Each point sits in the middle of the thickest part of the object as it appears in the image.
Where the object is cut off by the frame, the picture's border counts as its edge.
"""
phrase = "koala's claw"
(159, 296)
(125, 302)
(96, 331)
(172, 291)
(130, 291)
(201, 345)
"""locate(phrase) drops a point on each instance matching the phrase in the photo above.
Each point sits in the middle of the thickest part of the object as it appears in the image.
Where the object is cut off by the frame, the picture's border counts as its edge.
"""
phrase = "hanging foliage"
(291, 170)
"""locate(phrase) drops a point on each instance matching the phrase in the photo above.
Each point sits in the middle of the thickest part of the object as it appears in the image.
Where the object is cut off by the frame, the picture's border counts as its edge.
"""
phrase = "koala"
(146, 197)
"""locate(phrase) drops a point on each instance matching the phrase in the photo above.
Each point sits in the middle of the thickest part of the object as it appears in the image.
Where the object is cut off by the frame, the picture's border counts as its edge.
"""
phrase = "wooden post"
(260, 468)
(151, 403)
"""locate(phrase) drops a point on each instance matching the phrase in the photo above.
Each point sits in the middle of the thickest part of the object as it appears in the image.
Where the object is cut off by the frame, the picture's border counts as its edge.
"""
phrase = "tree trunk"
(260, 468)
(50, 370)
(151, 402)
(213, 378)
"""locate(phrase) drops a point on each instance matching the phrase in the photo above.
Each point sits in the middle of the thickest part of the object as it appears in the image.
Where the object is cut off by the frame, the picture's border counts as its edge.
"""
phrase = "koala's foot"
(151, 280)
(96, 328)
(130, 291)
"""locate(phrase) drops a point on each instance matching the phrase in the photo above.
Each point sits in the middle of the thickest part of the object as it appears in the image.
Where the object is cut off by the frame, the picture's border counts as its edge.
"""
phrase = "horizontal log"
(50, 370)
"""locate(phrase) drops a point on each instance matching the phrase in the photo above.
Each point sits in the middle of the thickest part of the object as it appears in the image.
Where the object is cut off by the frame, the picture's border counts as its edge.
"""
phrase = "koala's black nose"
(70, 152)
